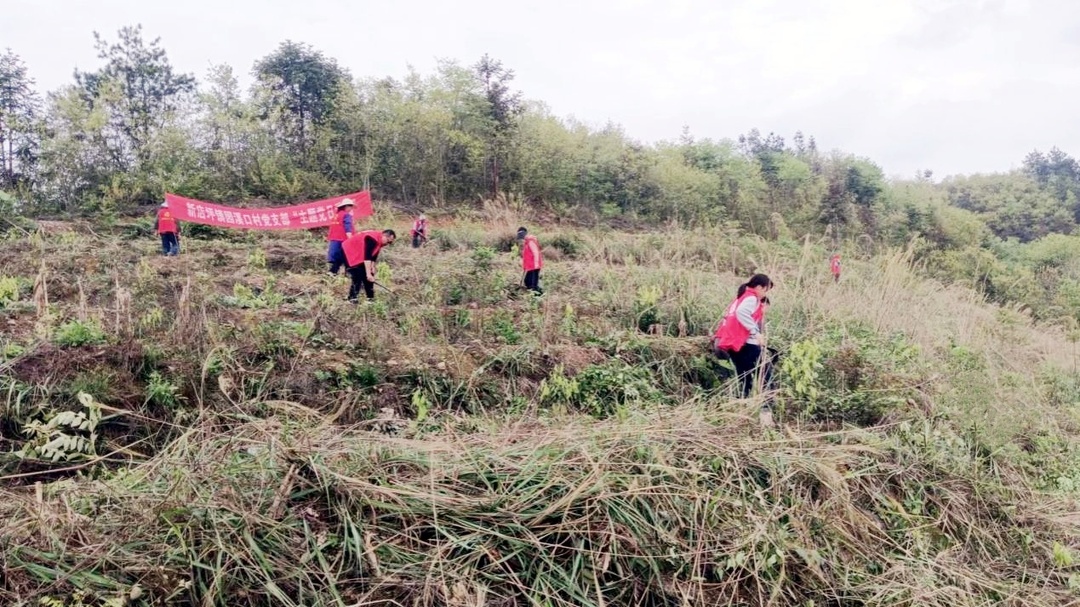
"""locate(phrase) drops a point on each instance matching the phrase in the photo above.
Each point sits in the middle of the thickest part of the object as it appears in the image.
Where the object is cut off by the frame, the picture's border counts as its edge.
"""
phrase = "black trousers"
(170, 245)
(749, 362)
(360, 281)
(532, 281)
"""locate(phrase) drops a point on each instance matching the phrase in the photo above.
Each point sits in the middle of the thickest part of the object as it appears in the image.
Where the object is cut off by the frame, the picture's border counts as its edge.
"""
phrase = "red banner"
(302, 216)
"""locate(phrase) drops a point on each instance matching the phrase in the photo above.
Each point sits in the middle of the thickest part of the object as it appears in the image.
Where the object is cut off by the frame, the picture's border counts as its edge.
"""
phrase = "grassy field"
(221, 428)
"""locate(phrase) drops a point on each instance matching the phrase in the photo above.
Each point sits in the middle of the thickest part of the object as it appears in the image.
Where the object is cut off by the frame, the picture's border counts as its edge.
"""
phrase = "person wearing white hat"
(169, 229)
(340, 231)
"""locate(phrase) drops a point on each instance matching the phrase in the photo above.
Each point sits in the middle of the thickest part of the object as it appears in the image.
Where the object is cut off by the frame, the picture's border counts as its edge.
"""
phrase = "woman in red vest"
(834, 265)
(741, 334)
(340, 231)
(169, 229)
(361, 253)
(531, 260)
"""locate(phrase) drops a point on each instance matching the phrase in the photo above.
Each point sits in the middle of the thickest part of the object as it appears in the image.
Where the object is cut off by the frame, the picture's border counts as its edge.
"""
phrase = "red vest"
(354, 247)
(419, 227)
(337, 229)
(166, 224)
(835, 263)
(530, 262)
(732, 335)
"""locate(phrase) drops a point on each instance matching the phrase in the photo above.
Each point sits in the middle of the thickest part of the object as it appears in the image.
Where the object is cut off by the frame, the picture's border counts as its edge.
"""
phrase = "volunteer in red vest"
(740, 334)
(361, 254)
(419, 231)
(169, 230)
(340, 231)
(834, 265)
(531, 260)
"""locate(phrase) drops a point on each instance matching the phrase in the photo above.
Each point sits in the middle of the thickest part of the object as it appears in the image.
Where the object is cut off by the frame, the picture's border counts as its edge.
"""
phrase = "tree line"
(113, 140)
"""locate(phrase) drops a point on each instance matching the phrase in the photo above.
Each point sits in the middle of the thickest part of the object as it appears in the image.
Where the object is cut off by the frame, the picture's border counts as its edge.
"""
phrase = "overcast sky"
(956, 86)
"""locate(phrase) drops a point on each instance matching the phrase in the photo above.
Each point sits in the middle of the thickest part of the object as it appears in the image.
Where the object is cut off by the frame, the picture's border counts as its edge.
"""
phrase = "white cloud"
(952, 85)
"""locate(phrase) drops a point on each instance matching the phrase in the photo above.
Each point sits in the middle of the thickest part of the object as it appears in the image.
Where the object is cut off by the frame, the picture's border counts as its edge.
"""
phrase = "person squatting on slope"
(340, 231)
(419, 231)
(361, 254)
(531, 260)
(740, 335)
(169, 229)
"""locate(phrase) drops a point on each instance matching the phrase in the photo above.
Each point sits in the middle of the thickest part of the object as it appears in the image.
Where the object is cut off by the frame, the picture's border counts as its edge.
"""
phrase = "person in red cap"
(834, 265)
(169, 229)
(340, 231)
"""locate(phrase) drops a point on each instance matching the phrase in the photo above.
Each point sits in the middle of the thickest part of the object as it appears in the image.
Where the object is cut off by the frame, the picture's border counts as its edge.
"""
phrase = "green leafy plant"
(152, 319)
(558, 389)
(601, 390)
(9, 290)
(570, 247)
(420, 405)
(384, 275)
(1063, 556)
(161, 391)
(801, 369)
(78, 333)
(257, 258)
(11, 350)
(66, 436)
(615, 387)
(568, 324)
(646, 311)
(244, 296)
(482, 259)
(502, 324)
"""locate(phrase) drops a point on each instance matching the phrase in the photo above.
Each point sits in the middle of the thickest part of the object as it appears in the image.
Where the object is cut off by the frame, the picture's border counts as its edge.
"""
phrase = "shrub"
(161, 391)
(502, 324)
(601, 390)
(257, 258)
(646, 309)
(78, 333)
(482, 258)
(857, 377)
(569, 246)
(9, 290)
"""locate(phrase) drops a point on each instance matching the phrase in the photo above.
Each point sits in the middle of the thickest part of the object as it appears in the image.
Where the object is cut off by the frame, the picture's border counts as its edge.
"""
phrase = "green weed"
(76, 333)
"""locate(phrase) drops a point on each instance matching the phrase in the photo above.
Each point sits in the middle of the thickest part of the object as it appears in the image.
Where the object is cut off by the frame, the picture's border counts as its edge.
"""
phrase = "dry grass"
(263, 483)
(683, 507)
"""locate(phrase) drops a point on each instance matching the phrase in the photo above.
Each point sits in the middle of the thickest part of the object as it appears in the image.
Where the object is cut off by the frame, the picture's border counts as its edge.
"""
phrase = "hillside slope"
(227, 430)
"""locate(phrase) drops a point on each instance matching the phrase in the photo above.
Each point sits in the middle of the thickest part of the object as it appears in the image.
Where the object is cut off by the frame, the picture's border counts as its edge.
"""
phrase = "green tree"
(77, 160)
(139, 90)
(19, 107)
(502, 107)
(298, 87)
(230, 137)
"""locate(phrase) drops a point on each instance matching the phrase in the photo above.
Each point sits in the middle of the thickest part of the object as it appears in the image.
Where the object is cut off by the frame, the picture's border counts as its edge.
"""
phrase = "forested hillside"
(118, 137)
(222, 428)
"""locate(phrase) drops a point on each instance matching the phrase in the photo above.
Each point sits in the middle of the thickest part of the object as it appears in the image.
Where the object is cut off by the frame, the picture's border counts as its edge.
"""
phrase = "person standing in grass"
(741, 334)
(419, 231)
(340, 231)
(834, 265)
(531, 260)
(361, 254)
(169, 229)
